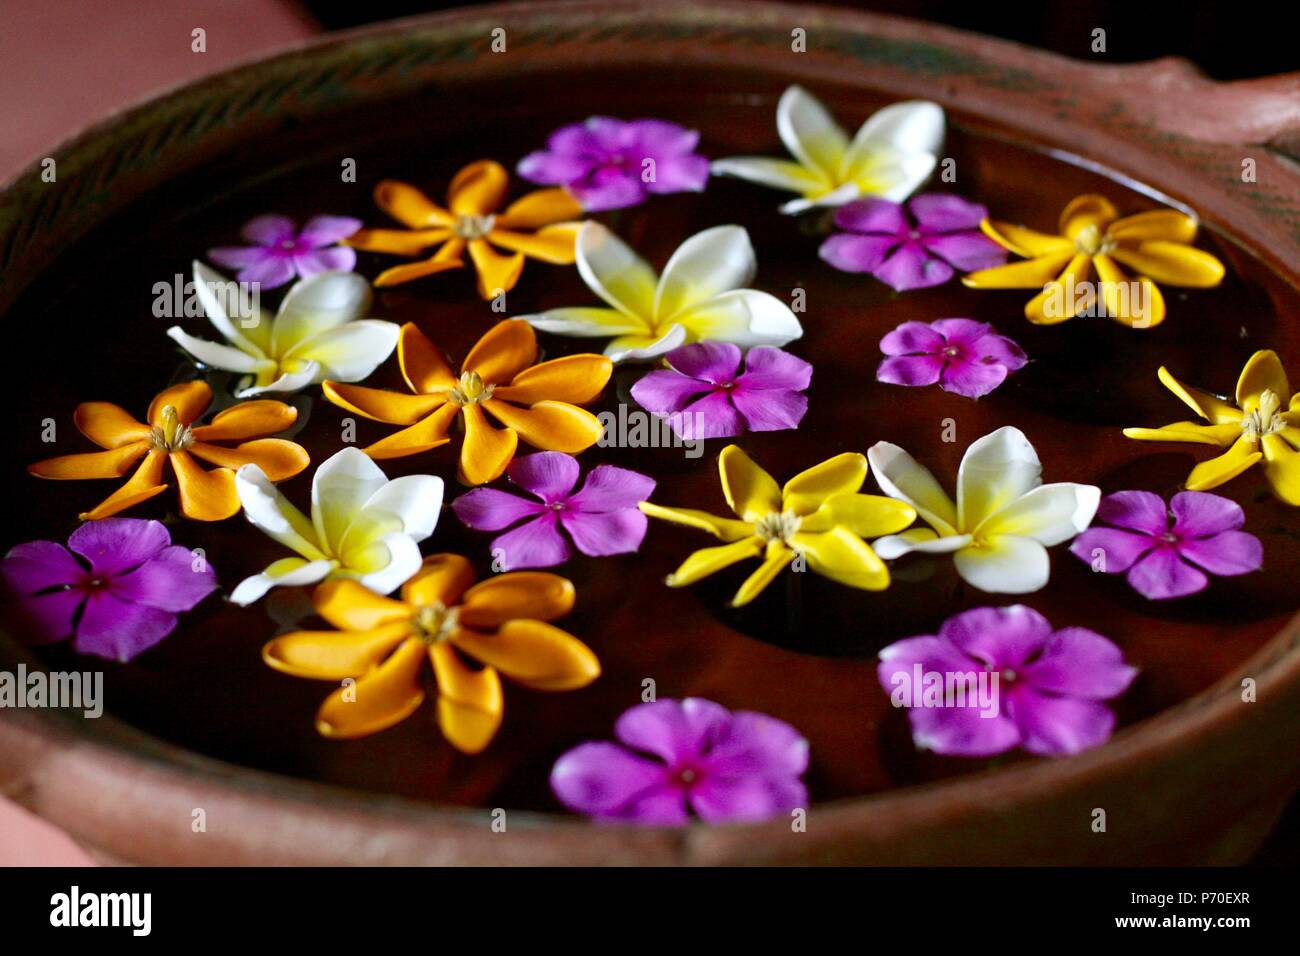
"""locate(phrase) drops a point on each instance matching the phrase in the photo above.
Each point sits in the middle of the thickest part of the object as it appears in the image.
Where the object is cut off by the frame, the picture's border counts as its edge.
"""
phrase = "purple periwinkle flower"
(1167, 552)
(962, 355)
(609, 163)
(280, 251)
(115, 589)
(675, 757)
(704, 392)
(602, 517)
(912, 247)
(996, 678)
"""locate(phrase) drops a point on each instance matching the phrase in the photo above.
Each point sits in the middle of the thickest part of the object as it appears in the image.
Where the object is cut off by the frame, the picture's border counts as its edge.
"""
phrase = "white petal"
(342, 485)
(896, 545)
(623, 350)
(349, 352)
(1005, 564)
(901, 476)
(744, 317)
(897, 179)
(776, 173)
(281, 574)
(308, 374)
(273, 514)
(995, 471)
(587, 323)
(414, 499)
(907, 128)
(1050, 514)
(810, 132)
(614, 272)
(317, 303)
(403, 561)
(707, 264)
(214, 291)
(836, 197)
(213, 355)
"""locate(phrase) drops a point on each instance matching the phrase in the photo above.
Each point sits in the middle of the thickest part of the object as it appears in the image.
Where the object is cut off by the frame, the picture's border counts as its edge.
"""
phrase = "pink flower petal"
(38, 565)
(973, 379)
(322, 231)
(1135, 510)
(269, 272)
(911, 370)
(707, 361)
(962, 731)
(607, 532)
(966, 251)
(767, 367)
(120, 630)
(1119, 549)
(1080, 663)
(1226, 553)
(1162, 575)
(338, 259)
(610, 488)
(554, 169)
(534, 544)
(713, 416)
(746, 799)
(769, 410)
(1199, 515)
(269, 230)
(660, 138)
(754, 743)
(1059, 726)
(50, 615)
(550, 475)
(238, 257)
(608, 190)
(1002, 350)
(872, 216)
(486, 509)
(1001, 637)
(116, 545)
(911, 267)
(602, 779)
(857, 253)
(676, 731)
(168, 581)
(665, 391)
(942, 212)
(678, 174)
(964, 333)
(913, 337)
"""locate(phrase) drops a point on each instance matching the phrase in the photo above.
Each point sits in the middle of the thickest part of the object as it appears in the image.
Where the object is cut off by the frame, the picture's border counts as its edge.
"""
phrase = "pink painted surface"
(65, 64)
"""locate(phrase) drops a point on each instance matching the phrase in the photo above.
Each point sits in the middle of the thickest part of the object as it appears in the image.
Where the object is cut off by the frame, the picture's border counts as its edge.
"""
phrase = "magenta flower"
(609, 164)
(602, 517)
(1167, 551)
(116, 592)
(704, 394)
(674, 755)
(280, 251)
(1048, 691)
(962, 355)
(916, 251)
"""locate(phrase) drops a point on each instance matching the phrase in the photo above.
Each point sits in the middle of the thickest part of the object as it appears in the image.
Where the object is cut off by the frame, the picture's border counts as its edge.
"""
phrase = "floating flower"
(602, 517)
(1048, 691)
(678, 757)
(818, 516)
(470, 633)
(610, 164)
(317, 334)
(171, 436)
(362, 525)
(962, 355)
(700, 295)
(280, 251)
(914, 246)
(704, 394)
(1256, 429)
(115, 589)
(1166, 551)
(891, 156)
(1093, 240)
(536, 226)
(1004, 520)
(498, 376)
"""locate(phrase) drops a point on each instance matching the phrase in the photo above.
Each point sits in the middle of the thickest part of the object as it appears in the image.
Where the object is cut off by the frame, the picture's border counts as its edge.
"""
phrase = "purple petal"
(873, 216)
(967, 251)
(609, 189)
(1162, 575)
(486, 509)
(930, 652)
(239, 257)
(745, 799)
(911, 338)
(940, 212)
(707, 361)
(120, 630)
(1226, 553)
(269, 272)
(1000, 349)
(269, 230)
(1080, 663)
(754, 744)
(770, 367)
(666, 391)
(679, 174)
(961, 333)
(1135, 510)
(1199, 515)
(50, 615)
(1001, 637)
(597, 135)
(609, 488)
(911, 369)
(1119, 549)
(676, 731)
(167, 581)
(38, 565)
(660, 137)
(1059, 726)
(322, 231)
(713, 416)
(911, 267)
(116, 545)
(550, 475)
(854, 253)
(962, 731)
(769, 410)
(973, 379)
(554, 169)
(608, 532)
(601, 779)
(338, 259)
(535, 544)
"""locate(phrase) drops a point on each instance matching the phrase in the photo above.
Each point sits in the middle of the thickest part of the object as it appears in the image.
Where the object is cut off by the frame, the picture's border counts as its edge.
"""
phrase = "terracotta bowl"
(1195, 774)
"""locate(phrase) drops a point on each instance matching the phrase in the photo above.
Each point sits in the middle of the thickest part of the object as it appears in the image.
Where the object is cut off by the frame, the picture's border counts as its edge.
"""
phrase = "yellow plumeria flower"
(1093, 240)
(1258, 428)
(892, 154)
(700, 295)
(1004, 519)
(817, 515)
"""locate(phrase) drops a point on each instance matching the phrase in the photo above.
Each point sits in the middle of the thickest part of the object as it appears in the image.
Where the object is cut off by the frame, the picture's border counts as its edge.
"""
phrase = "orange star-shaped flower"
(172, 437)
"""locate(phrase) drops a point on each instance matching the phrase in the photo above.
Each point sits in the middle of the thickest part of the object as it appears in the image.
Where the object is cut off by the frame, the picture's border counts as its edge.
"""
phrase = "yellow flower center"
(171, 435)
(1266, 419)
(471, 390)
(434, 623)
(778, 527)
(471, 227)
(1091, 241)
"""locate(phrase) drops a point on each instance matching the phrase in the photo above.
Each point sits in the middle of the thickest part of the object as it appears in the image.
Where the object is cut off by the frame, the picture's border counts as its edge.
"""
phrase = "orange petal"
(108, 425)
(409, 206)
(280, 459)
(442, 579)
(429, 433)
(190, 399)
(415, 270)
(1029, 274)
(350, 606)
(537, 655)
(1262, 372)
(486, 451)
(333, 655)
(542, 207)
(470, 706)
(1056, 303)
(144, 484)
(1135, 302)
(1173, 263)
(538, 595)
(550, 426)
(248, 420)
(384, 696)
(496, 273)
(554, 244)
(113, 463)
(394, 408)
(1084, 211)
(1025, 242)
(1165, 224)
(479, 189)
(572, 378)
(397, 242)
(205, 495)
(503, 352)
(422, 364)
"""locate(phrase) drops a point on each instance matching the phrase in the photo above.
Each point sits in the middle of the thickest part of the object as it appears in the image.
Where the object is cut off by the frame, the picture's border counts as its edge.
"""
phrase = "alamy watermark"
(939, 689)
(74, 690)
(633, 428)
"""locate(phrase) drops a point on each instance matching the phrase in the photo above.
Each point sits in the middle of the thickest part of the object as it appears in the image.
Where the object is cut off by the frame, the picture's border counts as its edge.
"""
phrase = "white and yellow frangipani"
(701, 295)
(892, 154)
(363, 526)
(318, 333)
(1004, 519)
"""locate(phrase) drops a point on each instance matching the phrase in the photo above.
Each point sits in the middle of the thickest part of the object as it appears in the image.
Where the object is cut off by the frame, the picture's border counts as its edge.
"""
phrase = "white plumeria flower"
(893, 153)
(1004, 520)
(362, 525)
(317, 334)
(701, 295)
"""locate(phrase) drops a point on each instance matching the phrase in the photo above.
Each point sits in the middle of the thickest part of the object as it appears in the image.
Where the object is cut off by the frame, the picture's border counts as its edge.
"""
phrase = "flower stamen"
(778, 527)
(171, 435)
(470, 227)
(1266, 419)
(435, 623)
(471, 390)
(1091, 241)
